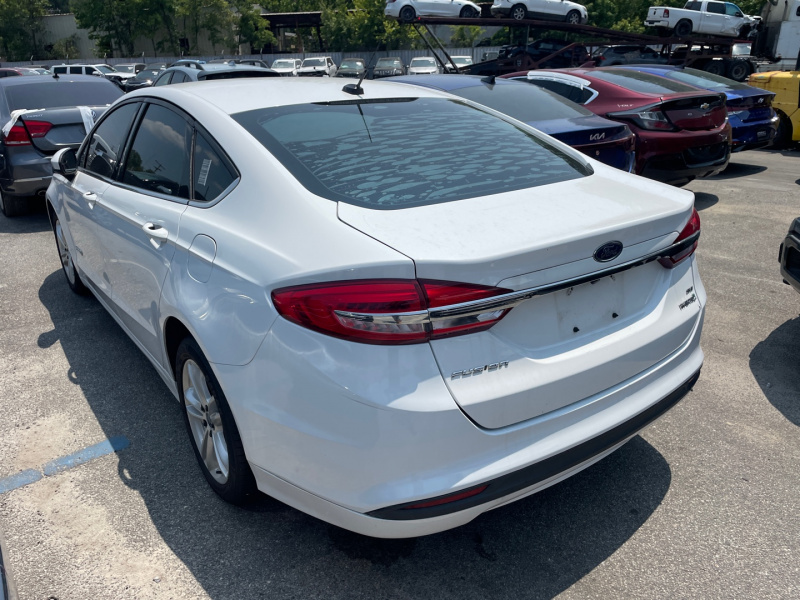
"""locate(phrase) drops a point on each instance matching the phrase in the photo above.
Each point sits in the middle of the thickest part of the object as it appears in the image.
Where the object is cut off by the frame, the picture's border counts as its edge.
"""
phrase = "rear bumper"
(351, 435)
(682, 156)
(25, 173)
(749, 136)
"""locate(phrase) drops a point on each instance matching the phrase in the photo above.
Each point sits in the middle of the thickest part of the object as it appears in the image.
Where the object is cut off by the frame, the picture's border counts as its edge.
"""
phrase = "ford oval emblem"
(608, 251)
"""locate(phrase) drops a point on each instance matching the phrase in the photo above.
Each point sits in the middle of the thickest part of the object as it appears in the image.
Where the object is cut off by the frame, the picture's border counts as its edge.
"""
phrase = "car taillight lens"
(21, 133)
(691, 230)
(666, 13)
(385, 311)
(648, 117)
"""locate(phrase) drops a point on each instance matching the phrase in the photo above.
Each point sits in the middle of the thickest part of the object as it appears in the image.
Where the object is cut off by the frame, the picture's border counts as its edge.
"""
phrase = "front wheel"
(407, 14)
(66, 256)
(573, 17)
(211, 426)
(519, 12)
(683, 28)
(468, 13)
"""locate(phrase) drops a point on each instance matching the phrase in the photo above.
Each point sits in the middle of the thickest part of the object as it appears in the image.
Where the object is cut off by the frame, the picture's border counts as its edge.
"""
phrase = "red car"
(681, 132)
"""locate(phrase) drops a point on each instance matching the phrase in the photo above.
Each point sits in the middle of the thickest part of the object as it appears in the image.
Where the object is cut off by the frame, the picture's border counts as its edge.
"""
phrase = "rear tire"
(518, 12)
(739, 70)
(211, 426)
(783, 137)
(683, 28)
(573, 17)
(407, 14)
(468, 13)
(715, 67)
(12, 206)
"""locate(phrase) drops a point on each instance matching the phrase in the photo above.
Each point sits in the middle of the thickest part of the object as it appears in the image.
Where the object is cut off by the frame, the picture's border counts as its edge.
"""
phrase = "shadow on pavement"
(774, 363)
(534, 548)
(703, 200)
(736, 169)
(32, 222)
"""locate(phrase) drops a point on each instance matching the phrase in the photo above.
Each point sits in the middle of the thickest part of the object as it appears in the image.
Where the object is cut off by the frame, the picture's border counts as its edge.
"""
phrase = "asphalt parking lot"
(101, 497)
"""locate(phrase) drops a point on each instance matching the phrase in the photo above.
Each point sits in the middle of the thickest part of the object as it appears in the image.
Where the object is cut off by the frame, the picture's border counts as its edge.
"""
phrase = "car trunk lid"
(67, 127)
(695, 112)
(558, 348)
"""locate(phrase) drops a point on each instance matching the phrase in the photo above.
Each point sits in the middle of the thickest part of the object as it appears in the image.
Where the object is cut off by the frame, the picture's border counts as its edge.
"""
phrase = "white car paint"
(423, 65)
(559, 10)
(287, 67)
(399, 9)
(341, 429)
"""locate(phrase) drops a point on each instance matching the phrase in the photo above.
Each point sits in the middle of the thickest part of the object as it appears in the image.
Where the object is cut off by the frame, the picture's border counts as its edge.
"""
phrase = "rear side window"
(523, 102)
(398, 153)
(51, 93)
(104, 149)
(76, 70)
(163, 78)
(566, 90)
(159, 157)
(643, 83)
(212, 175)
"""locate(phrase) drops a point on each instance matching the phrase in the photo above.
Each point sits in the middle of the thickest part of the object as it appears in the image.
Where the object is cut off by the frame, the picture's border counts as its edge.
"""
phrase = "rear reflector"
(385, 311)
(447, 499)
(690, 232)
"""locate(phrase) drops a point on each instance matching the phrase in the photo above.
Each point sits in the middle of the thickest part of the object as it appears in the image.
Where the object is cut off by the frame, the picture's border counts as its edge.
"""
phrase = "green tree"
(465, 36)
(21, 28)
(65, 47)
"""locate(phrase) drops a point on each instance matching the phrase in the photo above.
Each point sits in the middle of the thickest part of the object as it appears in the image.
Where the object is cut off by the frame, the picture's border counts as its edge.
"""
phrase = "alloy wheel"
(205, 421)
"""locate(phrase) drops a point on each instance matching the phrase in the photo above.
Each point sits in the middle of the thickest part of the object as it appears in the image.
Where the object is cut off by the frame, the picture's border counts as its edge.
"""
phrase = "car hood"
(311, 69)
(286, 69)
(422, 70)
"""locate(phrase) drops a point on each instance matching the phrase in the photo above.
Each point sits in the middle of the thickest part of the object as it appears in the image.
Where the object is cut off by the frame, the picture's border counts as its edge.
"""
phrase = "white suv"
(558, 10)
(317, 66)
(106, 71)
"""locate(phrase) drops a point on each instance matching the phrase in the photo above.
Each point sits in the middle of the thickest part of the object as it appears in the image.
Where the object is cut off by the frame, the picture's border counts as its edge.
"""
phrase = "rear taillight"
(690, 234)
(386, 311)
(21, 133)
(648, 117)
(666, 13)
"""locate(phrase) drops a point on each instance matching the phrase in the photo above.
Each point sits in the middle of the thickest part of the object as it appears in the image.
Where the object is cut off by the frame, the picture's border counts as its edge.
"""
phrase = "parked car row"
(543, 306)
(554, 10)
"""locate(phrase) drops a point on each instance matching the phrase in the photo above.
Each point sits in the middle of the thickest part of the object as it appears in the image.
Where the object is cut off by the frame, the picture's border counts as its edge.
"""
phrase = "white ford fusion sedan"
(359, 322)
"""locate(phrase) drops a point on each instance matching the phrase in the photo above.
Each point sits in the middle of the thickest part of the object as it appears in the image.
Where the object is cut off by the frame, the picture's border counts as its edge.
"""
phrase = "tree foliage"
(21, 28)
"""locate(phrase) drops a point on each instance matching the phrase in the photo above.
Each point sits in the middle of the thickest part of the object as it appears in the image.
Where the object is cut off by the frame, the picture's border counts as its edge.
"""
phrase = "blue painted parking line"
(114, 444)
(15, 481)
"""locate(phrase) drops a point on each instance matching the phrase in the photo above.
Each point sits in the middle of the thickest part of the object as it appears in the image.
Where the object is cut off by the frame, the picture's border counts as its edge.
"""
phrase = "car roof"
(239, 95)
(8, 81)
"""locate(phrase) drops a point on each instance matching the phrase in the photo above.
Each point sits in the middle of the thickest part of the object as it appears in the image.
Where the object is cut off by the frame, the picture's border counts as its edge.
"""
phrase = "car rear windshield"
(423, 62)
(59, 94)
(524, 102)
(314, 62)
(352, 64)
(398, 153)
(707, 81)
(644, 83)
(388, 62)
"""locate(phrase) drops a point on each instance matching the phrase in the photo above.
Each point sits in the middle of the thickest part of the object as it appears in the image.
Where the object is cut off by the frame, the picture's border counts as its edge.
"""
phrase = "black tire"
(715, 67)
(739, 70)
(468, 13)
(783, 137)
(744, 31)
(65, 254)
(12, 206)
(518, 12)
(683, 28)
(238, 484)
(407, 14)
(573, 17)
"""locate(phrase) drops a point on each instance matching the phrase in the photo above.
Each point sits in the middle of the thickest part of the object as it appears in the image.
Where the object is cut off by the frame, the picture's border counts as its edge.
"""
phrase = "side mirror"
(65, 163)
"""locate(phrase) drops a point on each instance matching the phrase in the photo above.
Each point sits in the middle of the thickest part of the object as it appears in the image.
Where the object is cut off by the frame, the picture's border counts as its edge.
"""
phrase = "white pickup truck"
(703, 16)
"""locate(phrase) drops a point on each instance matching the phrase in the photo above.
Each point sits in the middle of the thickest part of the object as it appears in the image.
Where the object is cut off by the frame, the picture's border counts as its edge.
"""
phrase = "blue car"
(608, 141)
(750, 113)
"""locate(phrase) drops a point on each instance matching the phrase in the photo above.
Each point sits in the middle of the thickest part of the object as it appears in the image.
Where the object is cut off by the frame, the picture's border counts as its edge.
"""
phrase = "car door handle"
(91, 198)
(156, 231)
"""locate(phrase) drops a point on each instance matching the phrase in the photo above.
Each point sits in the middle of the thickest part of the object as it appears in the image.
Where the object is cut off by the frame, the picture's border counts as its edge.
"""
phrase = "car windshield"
(147, 74)
(524, 102)
(314, 62)
(388, 62)
(283, 64)
(644, 83)
(58, 94)
(423, 62)
(352, 64)
(462, 60)
(398, 153)
(104, 69)
(705, 80)
(126, 68)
